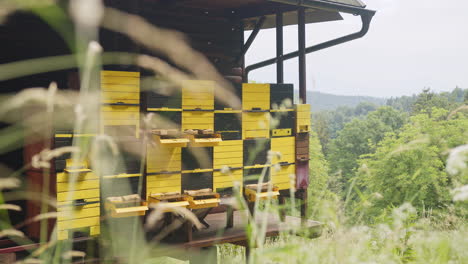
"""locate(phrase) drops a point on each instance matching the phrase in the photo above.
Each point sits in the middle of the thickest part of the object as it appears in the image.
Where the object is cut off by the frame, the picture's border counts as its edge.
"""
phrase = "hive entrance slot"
(203, 137)
(267, 191)
(125, 206)
(170, 137)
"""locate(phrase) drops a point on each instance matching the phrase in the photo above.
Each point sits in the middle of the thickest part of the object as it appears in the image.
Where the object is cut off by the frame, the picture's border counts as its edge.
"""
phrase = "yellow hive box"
(79, 212)
(75, 195)
(66, 177)
(120, 97)
(78, 223)
(120, 77)
(78, 185)
(222, 180)
(255, 125)
(255, 96)
(286, 148)
(228, 153)
(198, 94)
(163, 183)
(197, 120)
(160, 158)
(282, 178)
(303, 123)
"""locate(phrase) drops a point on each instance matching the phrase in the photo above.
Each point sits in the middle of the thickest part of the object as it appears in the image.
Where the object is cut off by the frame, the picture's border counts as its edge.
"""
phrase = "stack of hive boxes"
(164, 159)
(181, 157)
(228, 154)
(78, 195)
(120, 97)
(303, 126)
(120, 118)
(197, 116)
(282, 133)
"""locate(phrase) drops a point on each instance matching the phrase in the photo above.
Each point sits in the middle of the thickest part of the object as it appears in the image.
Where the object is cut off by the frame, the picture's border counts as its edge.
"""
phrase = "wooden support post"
(302, 194)
(188, 226)
(282, 210)
(229, 217)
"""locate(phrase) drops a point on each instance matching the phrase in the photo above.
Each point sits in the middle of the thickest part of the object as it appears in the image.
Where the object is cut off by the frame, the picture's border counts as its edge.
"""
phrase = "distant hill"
(323, 101)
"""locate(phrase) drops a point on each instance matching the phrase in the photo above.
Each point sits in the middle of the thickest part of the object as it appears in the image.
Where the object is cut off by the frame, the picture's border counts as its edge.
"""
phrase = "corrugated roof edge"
(356, 3)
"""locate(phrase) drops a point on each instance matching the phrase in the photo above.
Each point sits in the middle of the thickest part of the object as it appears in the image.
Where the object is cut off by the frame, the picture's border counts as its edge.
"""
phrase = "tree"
(410, 166)
(361, 136)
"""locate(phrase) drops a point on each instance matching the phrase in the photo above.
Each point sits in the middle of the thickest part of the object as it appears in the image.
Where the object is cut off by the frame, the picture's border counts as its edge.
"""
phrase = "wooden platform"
(218, 234)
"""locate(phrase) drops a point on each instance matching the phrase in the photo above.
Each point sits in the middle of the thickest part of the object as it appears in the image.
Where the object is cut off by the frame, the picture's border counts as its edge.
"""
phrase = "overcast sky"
(412, 44)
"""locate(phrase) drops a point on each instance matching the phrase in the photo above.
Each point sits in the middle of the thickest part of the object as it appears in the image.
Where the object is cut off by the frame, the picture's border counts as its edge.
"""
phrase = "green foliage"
(410, 166)
(327, 124)
(361, 136)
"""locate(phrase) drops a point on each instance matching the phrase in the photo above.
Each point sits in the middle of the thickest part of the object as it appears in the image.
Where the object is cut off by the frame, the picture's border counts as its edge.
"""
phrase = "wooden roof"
(250, 10)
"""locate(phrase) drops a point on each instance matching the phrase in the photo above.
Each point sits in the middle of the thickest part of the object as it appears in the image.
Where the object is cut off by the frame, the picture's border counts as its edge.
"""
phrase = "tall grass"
(399, 237)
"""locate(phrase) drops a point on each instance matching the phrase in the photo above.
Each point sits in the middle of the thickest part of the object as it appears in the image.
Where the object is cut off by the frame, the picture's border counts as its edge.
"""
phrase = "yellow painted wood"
(281, 109)
(197, 171)
(303, 107)
(79, 185)
(228, 149)
(63, 135)
(120, 88)
(256, 166)
(249, 117)
(278, 143)
(77, 223)
(228, 111)
(303, 115)
(198, 99)
(62, 235)
(120, 73)
(166, 183)
(198, 94)
(122, 80)
(122, 175)
(164, 177)
(303, 125)
(234, 162)
(120, 108)
(226, 184)
(282, 132)
(79, 213)
(116, 115)
(230, 143)
(66, 177)
(164, 109)
(82, 194)
(68, 205)
(163, 183)
(197, 86)
(205, 203)
(255, 87)
(109, 97)
(255, 96)
(94, 230)
(255, 125)
(160, 158)
(260, 133)
(284, 186)
(219, 177)
(129, 211)
(281, 178)
(197, 120)
(163, 189)
(228, 155)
